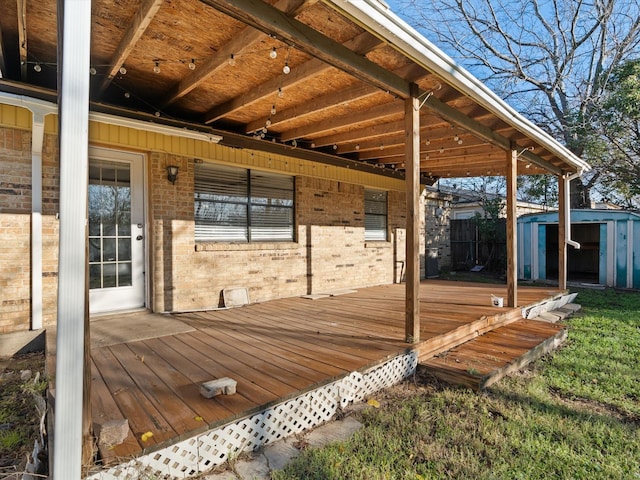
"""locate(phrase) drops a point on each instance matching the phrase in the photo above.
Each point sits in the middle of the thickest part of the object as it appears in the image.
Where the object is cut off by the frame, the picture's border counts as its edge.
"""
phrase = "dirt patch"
(20, 383)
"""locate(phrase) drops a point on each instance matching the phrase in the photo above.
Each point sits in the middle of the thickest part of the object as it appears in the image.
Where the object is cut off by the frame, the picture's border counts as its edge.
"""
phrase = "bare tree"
(551, 59)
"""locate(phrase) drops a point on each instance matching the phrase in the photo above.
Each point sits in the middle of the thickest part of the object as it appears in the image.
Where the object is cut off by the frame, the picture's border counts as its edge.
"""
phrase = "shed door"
(116, 231)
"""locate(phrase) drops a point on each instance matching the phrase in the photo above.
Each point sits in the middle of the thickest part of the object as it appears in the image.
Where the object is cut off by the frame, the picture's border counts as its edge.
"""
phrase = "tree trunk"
(579, 196)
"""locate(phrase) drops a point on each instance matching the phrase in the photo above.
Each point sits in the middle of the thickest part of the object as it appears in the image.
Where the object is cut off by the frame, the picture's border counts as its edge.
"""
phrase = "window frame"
(370, 234)
(251, 231)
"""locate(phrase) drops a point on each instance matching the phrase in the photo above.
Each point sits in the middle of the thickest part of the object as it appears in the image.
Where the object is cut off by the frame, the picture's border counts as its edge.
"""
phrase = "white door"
(116, 231)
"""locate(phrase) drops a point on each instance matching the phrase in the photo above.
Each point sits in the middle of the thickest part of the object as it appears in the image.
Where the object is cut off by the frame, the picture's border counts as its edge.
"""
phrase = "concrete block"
(548, 317)
(220, 386)
(113, 432)
(572, 307)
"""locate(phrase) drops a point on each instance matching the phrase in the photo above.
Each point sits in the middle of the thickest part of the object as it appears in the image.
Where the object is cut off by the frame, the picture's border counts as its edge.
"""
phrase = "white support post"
(37, 138)
(74, 34)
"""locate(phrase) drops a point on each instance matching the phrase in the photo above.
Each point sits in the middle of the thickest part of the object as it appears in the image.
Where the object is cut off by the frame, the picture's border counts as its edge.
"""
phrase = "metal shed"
(609, 252)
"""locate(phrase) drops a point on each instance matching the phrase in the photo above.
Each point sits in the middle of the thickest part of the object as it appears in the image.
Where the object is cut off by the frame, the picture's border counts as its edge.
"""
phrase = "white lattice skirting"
(202, 452)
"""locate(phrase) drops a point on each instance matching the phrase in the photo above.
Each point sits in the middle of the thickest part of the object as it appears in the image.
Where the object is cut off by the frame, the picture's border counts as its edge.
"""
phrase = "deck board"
(484, 360)
(275, 350)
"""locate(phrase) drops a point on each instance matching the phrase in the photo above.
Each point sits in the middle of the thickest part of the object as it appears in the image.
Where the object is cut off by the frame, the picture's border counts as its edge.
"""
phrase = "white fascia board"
(45, 108)
(33, 104)
(378, 19)
(153, 127)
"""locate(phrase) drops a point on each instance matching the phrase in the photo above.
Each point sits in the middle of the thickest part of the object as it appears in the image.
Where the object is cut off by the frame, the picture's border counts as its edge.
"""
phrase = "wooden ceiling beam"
(240, 43)
(375, 132)
(481, 131)
(317, 105)
(272, 21)
(358, 143)
(22, 38)
(332, 100)
(449, 147)
(141, 21)
(361, 44)
(380, 112)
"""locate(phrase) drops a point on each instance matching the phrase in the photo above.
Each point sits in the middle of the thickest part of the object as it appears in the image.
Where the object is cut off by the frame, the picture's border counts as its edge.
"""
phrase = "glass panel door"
(109, 225)
(116, 231)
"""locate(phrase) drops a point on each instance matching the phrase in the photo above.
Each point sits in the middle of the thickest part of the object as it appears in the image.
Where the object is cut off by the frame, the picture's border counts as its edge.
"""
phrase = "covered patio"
(342, 95)
(279, 352)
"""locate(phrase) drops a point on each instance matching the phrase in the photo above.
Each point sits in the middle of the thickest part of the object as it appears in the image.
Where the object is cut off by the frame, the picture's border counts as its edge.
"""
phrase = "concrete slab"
(21, 342)
(277, 455)
(122, 328)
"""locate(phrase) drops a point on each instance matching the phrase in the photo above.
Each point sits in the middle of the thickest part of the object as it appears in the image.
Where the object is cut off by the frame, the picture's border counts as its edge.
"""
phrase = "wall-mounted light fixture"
(172, 174)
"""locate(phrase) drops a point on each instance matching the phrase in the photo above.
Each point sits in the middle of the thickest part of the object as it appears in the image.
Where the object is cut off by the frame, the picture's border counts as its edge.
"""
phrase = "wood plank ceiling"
(292, 73)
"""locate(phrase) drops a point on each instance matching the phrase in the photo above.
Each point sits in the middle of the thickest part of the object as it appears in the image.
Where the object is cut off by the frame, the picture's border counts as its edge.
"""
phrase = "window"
(375, 215)
(239, 205)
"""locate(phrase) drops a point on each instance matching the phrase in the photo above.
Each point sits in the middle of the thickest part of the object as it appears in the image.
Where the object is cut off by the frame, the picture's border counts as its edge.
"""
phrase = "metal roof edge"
(380, 20)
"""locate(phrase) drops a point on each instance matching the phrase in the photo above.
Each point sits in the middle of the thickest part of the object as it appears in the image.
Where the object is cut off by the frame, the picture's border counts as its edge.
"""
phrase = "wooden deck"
(481, 362)
(275, 350)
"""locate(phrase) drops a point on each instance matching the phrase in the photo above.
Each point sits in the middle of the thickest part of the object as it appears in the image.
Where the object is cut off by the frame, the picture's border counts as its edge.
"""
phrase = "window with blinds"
(375, 215)
(239, 205)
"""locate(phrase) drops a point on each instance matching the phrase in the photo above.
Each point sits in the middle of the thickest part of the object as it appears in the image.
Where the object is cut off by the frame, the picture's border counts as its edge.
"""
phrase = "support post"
(412, 169)
(74, 38)
(562, 233)
(512, 219)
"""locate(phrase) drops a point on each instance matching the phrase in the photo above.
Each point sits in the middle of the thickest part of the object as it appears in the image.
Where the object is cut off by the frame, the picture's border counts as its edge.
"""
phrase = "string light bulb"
(268, 123)
(122, 70)
(127, 95)
(286, 69)
(37, 67)
(273, 53)
(232, 60)
(156, 68)
(280, 92)
(93, 70)
(192, 64)
(273, 109)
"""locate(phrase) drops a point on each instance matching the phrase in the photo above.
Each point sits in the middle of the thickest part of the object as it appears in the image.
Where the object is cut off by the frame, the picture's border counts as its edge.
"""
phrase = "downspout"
(37, 139)
(567, 205)
(39, 109)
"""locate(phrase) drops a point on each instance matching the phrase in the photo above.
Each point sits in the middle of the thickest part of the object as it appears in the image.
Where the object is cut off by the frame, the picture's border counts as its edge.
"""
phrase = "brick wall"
(15, 229)
(329, 253)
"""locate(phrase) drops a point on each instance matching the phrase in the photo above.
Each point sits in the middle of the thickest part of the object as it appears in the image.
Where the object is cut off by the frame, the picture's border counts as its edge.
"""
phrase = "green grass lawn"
(572, 415)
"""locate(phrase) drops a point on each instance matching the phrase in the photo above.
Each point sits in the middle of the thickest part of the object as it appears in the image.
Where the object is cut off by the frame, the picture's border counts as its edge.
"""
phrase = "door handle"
(139, 237)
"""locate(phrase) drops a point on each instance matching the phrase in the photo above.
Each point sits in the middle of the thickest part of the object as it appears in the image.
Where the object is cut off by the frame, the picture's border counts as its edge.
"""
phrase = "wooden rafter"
(332, 100)
(361, 44)
(481, 131)
(141, 21)
(274, 22)
(380, 112)
(240, 43)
